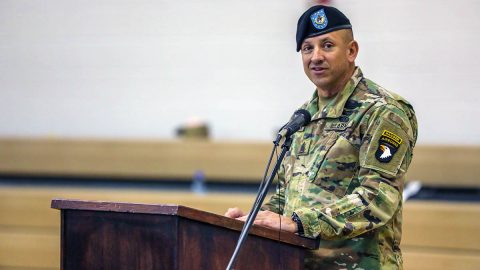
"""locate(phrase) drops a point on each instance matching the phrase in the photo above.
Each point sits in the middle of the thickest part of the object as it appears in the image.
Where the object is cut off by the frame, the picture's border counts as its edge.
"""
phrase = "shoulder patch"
(388, 145)
(386, 149)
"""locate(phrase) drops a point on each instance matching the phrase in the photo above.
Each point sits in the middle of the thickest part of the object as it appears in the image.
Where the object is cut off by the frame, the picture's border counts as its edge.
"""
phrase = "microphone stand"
(260, 197)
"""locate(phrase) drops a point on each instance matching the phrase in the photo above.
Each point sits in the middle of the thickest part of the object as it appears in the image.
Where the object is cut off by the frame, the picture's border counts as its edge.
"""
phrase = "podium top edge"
(124, 207)
(184, 212)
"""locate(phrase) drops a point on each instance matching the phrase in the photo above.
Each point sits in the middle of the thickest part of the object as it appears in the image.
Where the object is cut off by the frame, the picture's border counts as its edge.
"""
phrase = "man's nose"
(318, 55)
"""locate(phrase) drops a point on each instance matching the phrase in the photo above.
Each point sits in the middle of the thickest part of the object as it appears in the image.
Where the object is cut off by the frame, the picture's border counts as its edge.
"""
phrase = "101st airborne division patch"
(388, 145)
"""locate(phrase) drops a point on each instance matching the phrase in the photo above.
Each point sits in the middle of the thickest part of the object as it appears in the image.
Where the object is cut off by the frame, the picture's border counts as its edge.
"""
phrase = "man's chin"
(320, 83)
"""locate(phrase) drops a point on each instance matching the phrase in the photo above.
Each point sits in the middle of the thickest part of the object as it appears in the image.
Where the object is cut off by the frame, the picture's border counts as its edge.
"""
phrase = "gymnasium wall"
(137, 69)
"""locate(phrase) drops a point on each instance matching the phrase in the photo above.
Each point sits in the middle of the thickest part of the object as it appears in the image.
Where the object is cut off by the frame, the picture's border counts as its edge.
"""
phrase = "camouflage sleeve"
(384, 157)
(277, 200)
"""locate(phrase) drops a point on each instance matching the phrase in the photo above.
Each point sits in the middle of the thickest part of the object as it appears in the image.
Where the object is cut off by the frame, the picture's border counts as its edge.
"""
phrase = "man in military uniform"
(343, 177)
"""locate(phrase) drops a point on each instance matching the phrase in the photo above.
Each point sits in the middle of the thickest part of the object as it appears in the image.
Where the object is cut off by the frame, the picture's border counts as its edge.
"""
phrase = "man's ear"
(352, 51)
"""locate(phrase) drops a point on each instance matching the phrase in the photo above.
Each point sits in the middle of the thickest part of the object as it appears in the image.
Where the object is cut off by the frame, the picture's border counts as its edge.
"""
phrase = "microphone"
(299, 119)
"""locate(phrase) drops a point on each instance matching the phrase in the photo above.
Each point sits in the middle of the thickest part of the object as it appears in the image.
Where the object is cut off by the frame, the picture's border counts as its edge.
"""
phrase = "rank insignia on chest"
(304, 148)
(388, 145)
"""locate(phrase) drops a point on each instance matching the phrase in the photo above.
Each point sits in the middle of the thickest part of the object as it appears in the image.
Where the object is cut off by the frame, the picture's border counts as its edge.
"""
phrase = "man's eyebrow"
(306, 43)
(321, 40)
(326, 39)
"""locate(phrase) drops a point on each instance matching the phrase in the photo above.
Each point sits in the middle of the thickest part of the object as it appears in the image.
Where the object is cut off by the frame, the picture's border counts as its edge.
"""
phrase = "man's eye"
(307, 48)
(327, 45)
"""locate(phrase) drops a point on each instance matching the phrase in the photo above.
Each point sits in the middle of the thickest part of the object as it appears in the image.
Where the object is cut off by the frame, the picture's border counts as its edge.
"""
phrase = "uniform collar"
(335, 108)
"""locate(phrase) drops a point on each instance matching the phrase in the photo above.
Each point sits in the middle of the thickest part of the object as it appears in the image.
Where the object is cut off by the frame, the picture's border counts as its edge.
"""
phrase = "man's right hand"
(234, 212)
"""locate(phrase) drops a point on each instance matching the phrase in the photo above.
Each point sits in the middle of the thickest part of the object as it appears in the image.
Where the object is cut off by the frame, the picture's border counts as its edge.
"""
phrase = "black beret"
(319, 20)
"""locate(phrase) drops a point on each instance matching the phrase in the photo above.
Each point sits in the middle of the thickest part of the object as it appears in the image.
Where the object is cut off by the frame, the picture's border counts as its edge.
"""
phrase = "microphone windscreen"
(306, 115)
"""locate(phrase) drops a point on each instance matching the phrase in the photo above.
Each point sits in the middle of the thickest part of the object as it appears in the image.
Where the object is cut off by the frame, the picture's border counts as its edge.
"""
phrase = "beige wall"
(139, 68)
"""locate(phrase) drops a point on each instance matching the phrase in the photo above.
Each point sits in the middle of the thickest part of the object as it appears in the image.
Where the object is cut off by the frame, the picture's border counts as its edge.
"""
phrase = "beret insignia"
(319, 19)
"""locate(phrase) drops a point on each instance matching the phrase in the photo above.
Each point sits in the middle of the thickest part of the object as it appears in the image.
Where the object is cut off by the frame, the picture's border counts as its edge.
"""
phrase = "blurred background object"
(194, 128)
(411, 189)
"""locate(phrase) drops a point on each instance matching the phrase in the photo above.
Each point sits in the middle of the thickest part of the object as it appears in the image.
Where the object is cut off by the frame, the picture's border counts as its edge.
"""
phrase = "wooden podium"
(127, 236)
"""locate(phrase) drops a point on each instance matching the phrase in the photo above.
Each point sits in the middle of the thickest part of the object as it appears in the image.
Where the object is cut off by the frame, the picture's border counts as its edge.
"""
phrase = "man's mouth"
(318, 70)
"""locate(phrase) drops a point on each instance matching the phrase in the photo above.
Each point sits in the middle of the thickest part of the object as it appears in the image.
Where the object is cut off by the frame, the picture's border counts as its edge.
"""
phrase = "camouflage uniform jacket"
(343, 177)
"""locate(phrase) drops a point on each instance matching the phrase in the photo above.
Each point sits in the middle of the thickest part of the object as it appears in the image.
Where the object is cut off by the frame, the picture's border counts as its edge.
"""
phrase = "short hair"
(348, 35)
